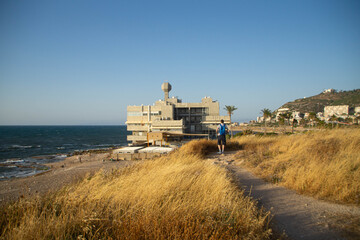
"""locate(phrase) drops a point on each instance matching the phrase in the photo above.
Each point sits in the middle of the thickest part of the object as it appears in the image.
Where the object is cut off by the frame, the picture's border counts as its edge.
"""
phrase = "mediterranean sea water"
(23, 149)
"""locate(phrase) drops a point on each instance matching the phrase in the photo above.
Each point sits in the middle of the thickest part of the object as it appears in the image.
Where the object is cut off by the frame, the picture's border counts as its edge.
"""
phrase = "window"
(137, 114)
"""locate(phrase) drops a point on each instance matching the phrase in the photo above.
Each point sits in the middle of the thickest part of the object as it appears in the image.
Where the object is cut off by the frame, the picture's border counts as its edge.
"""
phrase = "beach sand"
(71, 170)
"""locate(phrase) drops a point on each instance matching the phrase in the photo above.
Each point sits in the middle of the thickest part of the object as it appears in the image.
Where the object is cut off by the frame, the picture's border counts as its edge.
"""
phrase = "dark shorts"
(221, 139)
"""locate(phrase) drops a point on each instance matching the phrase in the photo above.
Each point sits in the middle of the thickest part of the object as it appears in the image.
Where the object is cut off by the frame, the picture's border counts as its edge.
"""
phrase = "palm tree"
(230, 110)
(287, 116)
(266, 114)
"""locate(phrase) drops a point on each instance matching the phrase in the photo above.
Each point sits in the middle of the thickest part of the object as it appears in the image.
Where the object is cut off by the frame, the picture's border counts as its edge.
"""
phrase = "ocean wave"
(10, 166)
(15, 146)
(14, 161)
(61, 156)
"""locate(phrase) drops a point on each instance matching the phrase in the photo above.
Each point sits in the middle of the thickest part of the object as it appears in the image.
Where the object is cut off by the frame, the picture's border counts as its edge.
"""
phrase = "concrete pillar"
(149, 117)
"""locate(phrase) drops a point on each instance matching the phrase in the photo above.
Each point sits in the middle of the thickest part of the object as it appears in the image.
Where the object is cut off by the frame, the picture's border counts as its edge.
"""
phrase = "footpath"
(297, 216)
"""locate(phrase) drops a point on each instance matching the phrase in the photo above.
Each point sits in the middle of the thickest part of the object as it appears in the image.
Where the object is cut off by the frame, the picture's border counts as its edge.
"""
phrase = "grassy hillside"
(318, 102)
(324, 164)
(180, 196)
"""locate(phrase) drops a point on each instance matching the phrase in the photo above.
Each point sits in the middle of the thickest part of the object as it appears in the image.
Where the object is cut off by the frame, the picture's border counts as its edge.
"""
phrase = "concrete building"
(281, 111)
(357, 110)
(342, 110)
(297, 115)
(330, 90)
(174, 116)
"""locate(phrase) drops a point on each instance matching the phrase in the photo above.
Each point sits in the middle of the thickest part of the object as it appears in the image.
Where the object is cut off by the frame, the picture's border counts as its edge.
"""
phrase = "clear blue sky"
(83, 62)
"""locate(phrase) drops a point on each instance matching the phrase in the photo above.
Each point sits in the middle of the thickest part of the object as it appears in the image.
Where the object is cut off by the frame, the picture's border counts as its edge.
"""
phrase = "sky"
(83, 62)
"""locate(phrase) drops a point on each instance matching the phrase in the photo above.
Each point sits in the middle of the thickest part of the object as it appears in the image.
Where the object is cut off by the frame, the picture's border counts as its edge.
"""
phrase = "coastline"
(70, 170)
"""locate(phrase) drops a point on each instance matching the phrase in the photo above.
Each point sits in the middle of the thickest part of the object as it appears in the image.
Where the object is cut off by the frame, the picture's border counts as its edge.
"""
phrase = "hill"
(318, 102)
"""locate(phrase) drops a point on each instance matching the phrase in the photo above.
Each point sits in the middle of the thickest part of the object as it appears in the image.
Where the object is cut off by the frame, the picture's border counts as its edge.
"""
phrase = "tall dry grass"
(179, 196)
(202, 147)
(324, 164)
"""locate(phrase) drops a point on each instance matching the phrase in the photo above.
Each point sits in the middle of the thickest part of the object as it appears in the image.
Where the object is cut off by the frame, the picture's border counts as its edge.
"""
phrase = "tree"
(349, 120)
(230, 110)
(333, 118)
(266, 114)
(286, 115)
(312, 117)
(283, 118)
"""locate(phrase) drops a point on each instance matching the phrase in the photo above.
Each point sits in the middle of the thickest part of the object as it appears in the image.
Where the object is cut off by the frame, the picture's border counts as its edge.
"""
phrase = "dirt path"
(298, 216)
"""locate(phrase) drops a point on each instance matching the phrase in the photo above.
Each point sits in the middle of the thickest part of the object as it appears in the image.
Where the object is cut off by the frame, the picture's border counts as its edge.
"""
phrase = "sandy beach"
(71, 170)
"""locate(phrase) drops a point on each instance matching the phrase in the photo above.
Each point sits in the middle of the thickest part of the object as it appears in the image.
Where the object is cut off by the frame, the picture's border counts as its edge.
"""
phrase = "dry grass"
(202, 147)
(179, 196)
(323, 164)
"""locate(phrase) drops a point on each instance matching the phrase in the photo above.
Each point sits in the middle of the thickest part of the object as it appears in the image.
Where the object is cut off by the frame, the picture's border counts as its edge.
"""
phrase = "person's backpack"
(222, 129)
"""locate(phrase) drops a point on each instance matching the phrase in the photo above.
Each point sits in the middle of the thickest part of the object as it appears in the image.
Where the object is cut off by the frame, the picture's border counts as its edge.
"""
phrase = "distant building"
(297, 115)
(281, 111)
(357, 110)
(330, 90)
(174, 116)
(336, 110)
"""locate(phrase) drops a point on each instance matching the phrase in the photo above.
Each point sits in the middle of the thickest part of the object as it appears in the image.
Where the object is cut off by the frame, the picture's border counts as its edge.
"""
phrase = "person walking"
(221, 131)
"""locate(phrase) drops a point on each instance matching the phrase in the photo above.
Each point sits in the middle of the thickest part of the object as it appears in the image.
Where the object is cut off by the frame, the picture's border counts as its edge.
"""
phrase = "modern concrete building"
(336, 110)
(174, 116)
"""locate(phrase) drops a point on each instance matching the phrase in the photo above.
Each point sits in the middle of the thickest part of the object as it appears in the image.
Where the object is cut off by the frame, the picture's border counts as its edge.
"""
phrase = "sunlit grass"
(180, 196)
(323, 164)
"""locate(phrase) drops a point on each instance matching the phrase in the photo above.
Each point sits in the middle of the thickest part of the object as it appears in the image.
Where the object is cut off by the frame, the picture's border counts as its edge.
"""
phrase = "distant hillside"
(318, 102)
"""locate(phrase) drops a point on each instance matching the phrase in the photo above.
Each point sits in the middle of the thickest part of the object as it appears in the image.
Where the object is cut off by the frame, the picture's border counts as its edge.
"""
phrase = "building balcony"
(137, 128)
(168, 124)
(215, 119)
(136, 138)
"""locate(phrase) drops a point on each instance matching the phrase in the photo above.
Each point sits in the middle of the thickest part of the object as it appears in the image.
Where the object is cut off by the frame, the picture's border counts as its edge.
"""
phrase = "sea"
(24, 149)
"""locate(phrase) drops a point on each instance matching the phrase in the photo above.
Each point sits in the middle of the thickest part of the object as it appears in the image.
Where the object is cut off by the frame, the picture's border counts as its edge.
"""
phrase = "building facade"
(336, 110)
(174, 116)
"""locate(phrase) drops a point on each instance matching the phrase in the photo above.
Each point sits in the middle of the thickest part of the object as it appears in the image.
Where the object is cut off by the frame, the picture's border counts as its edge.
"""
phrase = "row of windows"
(191, 119)
(178, 111)
(203, 111)
(137, 114)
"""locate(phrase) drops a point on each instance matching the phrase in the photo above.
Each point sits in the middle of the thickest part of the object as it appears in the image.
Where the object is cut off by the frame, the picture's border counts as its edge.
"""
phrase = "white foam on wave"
(20, 146)
(14, 161)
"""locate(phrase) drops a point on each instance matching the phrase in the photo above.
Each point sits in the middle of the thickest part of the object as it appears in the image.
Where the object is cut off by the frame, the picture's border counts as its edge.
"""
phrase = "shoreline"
(40, 164)
(70, 170)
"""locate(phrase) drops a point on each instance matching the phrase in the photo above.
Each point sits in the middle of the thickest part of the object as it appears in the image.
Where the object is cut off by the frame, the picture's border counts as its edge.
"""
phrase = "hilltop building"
(173, 116)
(330, 90)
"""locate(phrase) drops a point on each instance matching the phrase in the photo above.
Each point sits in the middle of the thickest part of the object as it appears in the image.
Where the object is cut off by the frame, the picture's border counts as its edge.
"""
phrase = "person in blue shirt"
(221, 131)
